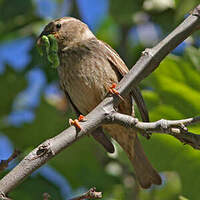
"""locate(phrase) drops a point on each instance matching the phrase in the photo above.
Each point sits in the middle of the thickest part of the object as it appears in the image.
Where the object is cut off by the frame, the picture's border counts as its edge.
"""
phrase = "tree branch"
(175, 128)
(148, 62)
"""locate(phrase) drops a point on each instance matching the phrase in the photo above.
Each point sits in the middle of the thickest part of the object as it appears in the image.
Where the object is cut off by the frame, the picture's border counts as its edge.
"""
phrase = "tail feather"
(144, 171)
(128, 140)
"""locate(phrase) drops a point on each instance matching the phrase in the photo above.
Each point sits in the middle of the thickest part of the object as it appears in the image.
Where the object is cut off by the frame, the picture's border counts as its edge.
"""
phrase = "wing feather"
(114, 58)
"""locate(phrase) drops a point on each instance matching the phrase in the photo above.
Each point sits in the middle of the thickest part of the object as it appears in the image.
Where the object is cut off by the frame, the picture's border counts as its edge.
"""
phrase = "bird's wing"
(114, 58)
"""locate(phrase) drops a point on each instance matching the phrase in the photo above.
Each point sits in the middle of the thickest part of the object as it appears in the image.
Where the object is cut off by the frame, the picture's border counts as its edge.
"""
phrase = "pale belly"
(87, 82)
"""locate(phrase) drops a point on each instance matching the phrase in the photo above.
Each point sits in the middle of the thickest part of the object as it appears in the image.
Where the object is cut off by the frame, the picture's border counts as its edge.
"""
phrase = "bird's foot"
(82, 118)
(112, 90)
(75, 122)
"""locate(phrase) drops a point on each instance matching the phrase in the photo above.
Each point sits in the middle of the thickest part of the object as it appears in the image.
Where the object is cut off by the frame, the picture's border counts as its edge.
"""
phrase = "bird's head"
(67, 31)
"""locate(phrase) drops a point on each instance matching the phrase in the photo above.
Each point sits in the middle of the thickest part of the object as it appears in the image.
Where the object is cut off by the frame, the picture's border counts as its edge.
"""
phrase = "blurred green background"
(32, 107)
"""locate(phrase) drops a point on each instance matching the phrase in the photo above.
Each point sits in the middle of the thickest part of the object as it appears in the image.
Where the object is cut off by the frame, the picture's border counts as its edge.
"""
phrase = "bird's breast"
(86, 79)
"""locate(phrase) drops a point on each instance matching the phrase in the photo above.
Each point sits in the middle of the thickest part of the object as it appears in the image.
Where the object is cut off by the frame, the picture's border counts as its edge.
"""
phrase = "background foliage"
(32, 108)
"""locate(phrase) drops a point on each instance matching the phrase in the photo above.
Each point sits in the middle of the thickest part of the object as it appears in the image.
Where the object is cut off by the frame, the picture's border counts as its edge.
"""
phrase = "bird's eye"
(58, 26)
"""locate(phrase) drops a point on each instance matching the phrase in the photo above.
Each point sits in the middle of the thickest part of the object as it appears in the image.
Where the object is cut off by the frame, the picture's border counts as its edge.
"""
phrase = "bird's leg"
(112, 90)
(75, 122)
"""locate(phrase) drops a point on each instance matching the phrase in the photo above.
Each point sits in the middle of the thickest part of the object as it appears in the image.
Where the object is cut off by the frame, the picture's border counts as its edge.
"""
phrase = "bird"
(88, 68)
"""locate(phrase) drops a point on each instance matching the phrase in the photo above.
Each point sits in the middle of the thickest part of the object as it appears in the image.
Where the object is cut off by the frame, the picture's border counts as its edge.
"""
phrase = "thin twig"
(4, 163)
(90, 194)
(46, 196)
(175, 128)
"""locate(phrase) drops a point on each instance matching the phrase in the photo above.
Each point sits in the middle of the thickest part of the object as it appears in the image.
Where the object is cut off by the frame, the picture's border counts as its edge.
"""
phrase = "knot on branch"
(109, 116)
(147, 52)
(43, 150)
(164, 125)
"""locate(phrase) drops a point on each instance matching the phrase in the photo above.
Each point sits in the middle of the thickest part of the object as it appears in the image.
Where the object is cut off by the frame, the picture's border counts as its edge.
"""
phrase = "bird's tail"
(144, 171)
(128, 140)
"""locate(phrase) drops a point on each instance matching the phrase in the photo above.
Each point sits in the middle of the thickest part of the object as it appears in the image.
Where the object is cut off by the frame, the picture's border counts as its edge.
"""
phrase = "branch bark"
(105, 113)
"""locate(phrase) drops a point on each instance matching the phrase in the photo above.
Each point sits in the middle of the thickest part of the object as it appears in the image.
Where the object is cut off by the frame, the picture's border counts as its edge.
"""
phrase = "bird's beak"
(39, 39)
(38, 42)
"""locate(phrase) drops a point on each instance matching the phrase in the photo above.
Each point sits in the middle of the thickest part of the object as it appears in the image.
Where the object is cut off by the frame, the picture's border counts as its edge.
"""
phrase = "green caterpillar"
(45, 45)
(50, 45)
(53, 51)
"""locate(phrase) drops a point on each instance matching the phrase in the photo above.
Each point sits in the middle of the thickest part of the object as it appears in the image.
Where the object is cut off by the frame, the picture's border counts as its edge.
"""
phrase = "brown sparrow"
(88, 68)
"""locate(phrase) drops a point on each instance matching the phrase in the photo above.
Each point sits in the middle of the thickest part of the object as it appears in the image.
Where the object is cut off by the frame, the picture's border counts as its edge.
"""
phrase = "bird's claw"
(112, 90)
(82, 118)
(75, 122)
